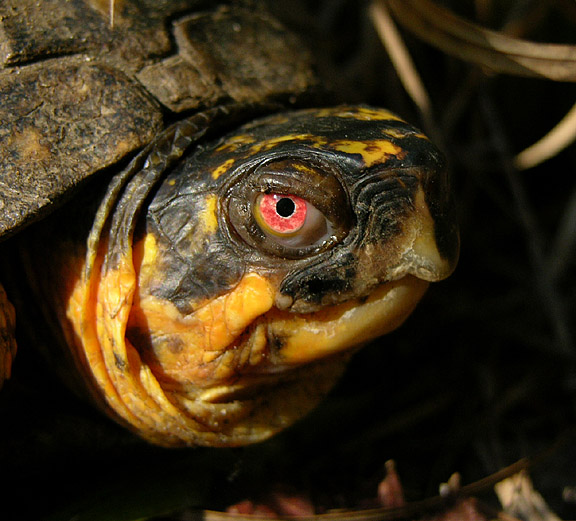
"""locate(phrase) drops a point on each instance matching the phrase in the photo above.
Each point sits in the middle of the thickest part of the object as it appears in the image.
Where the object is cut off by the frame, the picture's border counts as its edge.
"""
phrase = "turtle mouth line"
(296, 339)
(298, 342)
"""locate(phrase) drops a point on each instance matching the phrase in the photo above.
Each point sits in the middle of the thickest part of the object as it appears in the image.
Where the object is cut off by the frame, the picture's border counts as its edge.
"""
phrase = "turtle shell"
(82, 88)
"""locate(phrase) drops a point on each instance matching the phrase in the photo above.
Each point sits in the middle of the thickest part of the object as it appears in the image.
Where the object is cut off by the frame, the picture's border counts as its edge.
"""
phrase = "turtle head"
(261, 262)
(348, 214)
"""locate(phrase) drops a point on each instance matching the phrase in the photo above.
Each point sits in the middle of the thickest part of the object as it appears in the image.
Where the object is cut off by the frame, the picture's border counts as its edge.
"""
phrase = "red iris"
(282, 213)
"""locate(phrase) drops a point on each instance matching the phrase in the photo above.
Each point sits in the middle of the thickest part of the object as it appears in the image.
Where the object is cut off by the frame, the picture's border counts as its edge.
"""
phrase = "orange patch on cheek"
(199, 348)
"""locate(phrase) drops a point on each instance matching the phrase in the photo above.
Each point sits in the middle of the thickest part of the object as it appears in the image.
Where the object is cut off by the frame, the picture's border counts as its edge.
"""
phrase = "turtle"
(204, 239)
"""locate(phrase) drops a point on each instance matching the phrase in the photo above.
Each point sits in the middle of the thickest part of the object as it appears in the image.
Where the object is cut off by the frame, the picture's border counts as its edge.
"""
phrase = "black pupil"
(285, 207)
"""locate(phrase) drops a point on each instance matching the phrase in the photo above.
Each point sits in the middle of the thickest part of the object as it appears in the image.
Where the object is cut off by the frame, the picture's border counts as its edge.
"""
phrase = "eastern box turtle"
(210, 289)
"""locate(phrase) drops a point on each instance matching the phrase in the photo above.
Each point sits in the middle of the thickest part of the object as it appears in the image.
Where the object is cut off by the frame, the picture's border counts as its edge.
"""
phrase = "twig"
(111, 5)
(403, 64)
(386, 514)
(562, 135)
(562, 250)
(492, 49)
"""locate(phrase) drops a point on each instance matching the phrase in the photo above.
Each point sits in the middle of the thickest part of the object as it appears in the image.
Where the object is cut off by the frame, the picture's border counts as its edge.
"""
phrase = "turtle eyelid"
(316, 184)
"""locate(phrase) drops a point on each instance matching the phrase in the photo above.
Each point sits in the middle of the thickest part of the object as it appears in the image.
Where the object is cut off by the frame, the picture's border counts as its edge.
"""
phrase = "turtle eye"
(281, 214)
(290, 220)
(287, 208)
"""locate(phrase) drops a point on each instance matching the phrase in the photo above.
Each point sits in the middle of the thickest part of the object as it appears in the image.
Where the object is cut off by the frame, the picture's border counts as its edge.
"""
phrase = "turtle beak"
(431, 245)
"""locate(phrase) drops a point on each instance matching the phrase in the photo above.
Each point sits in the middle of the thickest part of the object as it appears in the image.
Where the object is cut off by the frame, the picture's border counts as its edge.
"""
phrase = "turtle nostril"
(283, 301)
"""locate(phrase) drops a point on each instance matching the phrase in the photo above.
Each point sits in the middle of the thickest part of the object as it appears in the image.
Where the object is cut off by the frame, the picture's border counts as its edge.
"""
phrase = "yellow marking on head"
(305, 169)
(360, 113)
(235, 142)
(145, 255)
(150, 249)
(316, 141)
(209, 216)
(367, 114)
(403, 133)
(217, 172)
(372, 152)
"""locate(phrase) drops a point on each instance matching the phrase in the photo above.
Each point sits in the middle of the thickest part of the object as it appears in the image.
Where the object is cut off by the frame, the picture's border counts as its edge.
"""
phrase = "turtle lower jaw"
(257, 407)
(295, 339)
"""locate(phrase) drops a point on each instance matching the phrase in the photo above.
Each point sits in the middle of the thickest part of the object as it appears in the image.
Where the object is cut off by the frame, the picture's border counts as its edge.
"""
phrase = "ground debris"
(519, 498)
(463, 510)
(454, 503)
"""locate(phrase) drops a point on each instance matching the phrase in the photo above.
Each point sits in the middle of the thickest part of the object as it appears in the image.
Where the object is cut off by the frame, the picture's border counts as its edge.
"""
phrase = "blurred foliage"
(482, 374)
